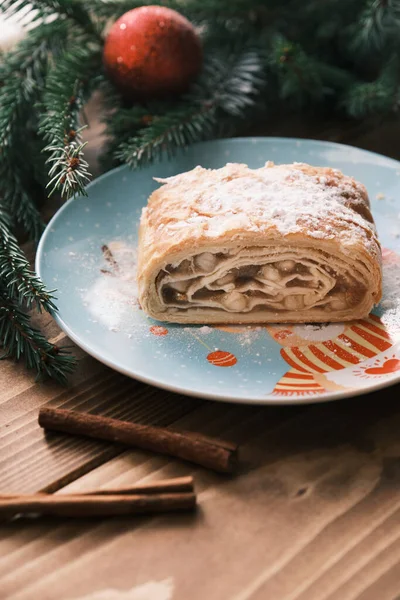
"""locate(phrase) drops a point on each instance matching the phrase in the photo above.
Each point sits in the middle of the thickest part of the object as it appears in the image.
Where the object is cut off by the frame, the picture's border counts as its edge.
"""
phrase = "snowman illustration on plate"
(334, 356)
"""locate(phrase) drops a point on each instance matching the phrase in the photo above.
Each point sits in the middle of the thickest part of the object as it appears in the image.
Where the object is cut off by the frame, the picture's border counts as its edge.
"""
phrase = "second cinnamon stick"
(213, 454)
(96, 506)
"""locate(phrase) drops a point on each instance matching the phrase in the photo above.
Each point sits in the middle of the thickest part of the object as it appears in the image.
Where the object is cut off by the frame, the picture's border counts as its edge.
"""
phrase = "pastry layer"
(287, 243)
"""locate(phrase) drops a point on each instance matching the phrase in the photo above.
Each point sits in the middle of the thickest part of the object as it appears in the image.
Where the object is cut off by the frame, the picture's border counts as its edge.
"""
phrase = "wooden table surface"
(313, 514)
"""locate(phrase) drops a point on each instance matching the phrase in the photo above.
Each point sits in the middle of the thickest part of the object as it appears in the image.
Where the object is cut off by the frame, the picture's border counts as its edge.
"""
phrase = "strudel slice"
(283, 243)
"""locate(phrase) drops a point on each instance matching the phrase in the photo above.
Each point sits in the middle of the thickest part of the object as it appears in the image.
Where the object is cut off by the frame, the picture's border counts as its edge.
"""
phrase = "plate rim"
(187, 391)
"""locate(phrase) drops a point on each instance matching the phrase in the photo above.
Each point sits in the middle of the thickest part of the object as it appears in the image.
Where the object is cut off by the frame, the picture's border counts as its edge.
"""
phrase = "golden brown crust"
(309, 214)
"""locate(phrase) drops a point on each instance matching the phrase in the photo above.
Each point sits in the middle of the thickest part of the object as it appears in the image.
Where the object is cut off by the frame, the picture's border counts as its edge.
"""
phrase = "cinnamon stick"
(207, 452)
(163, 486)
(96, 506)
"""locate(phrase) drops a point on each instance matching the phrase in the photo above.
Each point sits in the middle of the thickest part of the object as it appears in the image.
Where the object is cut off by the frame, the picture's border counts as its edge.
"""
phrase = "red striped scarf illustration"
(310, 360)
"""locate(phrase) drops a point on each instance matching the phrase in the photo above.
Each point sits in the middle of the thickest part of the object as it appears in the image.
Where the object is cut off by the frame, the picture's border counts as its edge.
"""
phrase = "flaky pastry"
(283, 243)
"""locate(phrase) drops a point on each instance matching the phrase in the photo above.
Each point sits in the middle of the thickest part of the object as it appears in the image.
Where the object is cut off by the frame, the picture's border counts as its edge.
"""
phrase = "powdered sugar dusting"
(113, 296)
(205, 330)
(289, 197)
(390, 303)
(249, 335)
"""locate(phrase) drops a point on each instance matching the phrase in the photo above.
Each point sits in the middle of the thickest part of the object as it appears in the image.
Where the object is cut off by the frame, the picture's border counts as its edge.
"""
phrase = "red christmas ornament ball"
(152, 51)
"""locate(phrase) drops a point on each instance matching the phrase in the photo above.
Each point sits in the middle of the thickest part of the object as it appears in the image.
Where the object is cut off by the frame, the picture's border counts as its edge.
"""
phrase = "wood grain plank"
(376, 574)
(385, 588)
(15, 379)
(330, 564)
(31, 460)
(135, 466)
(318, 496)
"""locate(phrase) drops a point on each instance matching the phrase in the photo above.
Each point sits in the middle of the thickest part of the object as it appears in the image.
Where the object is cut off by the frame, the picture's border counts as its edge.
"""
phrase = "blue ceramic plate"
(88, 253)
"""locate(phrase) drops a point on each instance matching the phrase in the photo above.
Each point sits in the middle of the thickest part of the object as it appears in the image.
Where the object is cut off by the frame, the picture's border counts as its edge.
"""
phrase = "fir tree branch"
(122, 122)
(42, 9)
(178, 128)
(367, 98)
(22, 74)
(230, 81)
(299, 79)
(378, 26)
(113, 9)
(16, 275)
(380, 96)
(22, 341)
(226, 90)
(68, 86)
(18, 198)
(193, 9)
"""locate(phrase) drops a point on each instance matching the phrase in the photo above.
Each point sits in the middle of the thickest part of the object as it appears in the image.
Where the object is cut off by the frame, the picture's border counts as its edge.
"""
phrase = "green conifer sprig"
(18, 198)
(379, 25)
(20, 291)
(226, 90)
(16, 275)
(166, 133)
(379, 97)
(193, 9)
(68, 86)
(121, 121)
(44, 10)
(22, 76)
(22, 341)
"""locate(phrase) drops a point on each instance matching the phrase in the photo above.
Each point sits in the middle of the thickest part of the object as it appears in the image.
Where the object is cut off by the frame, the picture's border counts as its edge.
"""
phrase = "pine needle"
(375, 97)
(16, 275)
(40, 10)
(22, 341)
(68, 86)
(22, 76)
(226, 90)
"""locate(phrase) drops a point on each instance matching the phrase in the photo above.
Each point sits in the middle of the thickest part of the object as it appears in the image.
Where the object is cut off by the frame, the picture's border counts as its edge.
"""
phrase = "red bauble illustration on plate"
(220, 358)
(158, 330)
(152, 51)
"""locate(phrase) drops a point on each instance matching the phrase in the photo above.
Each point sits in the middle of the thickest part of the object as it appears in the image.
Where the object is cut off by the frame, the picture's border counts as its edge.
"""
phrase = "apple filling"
(256, 279)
